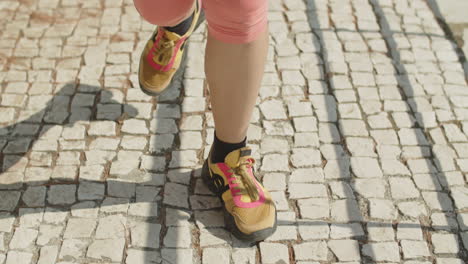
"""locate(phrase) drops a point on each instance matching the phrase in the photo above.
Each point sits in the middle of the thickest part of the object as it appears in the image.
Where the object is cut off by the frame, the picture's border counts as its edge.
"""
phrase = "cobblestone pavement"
(360, 134)
(453, 13)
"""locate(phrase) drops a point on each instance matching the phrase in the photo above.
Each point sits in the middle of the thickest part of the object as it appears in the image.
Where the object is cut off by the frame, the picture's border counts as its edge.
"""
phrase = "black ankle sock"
(221, 149)
(182, 27)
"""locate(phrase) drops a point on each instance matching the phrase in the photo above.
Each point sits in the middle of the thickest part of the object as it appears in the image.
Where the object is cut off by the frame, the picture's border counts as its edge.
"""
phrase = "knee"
(238, 21)
(163, 12)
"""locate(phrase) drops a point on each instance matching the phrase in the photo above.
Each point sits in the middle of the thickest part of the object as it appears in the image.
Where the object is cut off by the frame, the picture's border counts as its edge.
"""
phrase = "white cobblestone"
(306, 190)
(48, 254)
(273, 253)
(23, 238)
(345, 250)
(383, 251)
(403, 188)
(145, 234)
(178, 237)
(445, 243)
(214, 237)
(275, 162)
(311, 251)
(18, 257)
(366, 168)
(370, 188)
(107, 248)
(345, 210)
(79, 228)
(216, 255)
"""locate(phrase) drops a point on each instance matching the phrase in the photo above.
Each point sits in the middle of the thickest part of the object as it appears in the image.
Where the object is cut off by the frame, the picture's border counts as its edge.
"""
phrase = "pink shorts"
(233, 21)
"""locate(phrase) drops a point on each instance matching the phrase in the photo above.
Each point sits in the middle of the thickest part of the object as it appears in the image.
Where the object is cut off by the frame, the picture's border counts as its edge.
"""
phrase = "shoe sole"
(178, 72)
(256, 236)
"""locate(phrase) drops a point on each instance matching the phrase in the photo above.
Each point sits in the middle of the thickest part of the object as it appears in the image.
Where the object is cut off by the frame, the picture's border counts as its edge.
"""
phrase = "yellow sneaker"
(162, 57)
(250, 213)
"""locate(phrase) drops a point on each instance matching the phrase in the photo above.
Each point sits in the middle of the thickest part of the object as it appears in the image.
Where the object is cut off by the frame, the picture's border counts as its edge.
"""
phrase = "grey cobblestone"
(176, 194)
(61, 194)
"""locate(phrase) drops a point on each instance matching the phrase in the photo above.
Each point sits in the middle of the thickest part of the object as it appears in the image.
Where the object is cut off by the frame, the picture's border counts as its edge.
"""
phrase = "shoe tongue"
(172, 35)
(232, 159)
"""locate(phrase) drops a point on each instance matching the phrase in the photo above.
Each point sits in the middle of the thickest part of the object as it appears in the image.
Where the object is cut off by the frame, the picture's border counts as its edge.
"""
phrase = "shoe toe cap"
(249, 220)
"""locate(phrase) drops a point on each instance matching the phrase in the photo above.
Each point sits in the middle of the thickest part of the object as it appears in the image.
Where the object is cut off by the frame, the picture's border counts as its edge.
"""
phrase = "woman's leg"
(234, 64)
(234, 73)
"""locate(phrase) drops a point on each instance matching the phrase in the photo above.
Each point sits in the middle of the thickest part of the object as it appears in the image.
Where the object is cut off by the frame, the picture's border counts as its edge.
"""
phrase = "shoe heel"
(205, 174)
